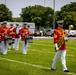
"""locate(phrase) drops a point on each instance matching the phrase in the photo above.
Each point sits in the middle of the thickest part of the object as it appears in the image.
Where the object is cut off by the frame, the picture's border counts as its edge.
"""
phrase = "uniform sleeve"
(0, 31)
(14, 30)
(20, 31)
(8, 31)
(66, 34)
(28, 32)
(55, 36)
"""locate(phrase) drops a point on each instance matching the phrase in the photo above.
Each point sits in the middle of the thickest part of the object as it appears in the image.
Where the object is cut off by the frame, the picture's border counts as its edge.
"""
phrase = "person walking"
(0, 38)
(11, 34)
(24, 32)
(60, 50)
(16, 37)
(4, 38)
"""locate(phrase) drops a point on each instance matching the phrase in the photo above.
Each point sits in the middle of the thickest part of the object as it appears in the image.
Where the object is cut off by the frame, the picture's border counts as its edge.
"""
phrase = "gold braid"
(61, 40)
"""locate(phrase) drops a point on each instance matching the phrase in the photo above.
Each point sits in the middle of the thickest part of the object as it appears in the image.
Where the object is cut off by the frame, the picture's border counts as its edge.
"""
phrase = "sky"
(16, 5)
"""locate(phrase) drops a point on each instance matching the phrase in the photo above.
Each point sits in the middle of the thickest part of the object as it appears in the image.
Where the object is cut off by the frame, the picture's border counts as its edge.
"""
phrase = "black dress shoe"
(66, 70)
(53, 69)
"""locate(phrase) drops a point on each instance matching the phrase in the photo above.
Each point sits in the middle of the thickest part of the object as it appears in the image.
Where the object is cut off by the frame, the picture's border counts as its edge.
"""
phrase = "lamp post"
(54, 14)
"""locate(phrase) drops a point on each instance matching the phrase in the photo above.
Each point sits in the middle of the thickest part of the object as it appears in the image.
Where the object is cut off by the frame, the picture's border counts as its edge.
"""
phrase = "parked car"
(37, 33)
(49, 32)
(71, 33)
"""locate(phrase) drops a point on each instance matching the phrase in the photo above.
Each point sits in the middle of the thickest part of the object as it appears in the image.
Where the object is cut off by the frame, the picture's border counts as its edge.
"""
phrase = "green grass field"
(38, 59)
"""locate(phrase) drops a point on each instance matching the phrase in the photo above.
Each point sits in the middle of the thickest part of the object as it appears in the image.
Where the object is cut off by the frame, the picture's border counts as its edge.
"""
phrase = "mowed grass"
(38, 59)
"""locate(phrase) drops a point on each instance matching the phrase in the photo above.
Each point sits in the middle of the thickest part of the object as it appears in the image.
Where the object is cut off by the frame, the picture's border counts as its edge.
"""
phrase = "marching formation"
(12, 35)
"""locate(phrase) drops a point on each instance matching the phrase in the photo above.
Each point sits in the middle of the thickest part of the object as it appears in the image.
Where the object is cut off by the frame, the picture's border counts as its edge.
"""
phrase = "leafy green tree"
(69, 7)
(37, 20)
(69, 18)
(68, 14)
(5, 13)
(38, 14)
(18, 19)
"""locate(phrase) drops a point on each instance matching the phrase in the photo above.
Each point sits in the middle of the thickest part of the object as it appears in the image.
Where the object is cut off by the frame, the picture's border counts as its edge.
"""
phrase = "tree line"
(42, 16)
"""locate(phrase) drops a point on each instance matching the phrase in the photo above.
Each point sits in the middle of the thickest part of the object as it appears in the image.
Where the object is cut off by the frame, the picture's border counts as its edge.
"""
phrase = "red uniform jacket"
(58, 33)
(4, 32)
(24, 31)
(14, 30)
(10, 32)
(1, 33)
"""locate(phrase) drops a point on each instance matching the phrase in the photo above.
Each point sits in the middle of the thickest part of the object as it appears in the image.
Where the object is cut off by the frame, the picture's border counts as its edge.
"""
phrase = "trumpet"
(62, 40)
(71, 27)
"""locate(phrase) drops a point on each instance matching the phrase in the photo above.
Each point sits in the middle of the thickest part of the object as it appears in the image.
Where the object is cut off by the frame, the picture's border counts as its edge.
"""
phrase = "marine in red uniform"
(24, 32)
(0, 31)
(0, 38)
(11, 34)
(59, 33)
(16, 36)
(4, 35)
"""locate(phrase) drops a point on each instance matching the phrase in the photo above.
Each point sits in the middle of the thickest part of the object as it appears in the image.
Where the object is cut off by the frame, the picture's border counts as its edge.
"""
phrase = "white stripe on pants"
(1, 47)
(4, 48)
(16, 44)
(24, 47)
(63, 60)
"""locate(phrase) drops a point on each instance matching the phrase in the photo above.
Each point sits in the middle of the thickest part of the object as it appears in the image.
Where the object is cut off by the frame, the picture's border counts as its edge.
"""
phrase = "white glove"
(66, 38)
(56, 46)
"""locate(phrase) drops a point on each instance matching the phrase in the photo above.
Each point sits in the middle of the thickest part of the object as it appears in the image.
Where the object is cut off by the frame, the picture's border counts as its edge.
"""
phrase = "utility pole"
(5, 2)
(44, 3)
(54, 14)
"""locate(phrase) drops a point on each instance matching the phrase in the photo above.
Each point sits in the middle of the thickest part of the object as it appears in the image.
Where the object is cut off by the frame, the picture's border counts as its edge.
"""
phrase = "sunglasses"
(61, 23)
